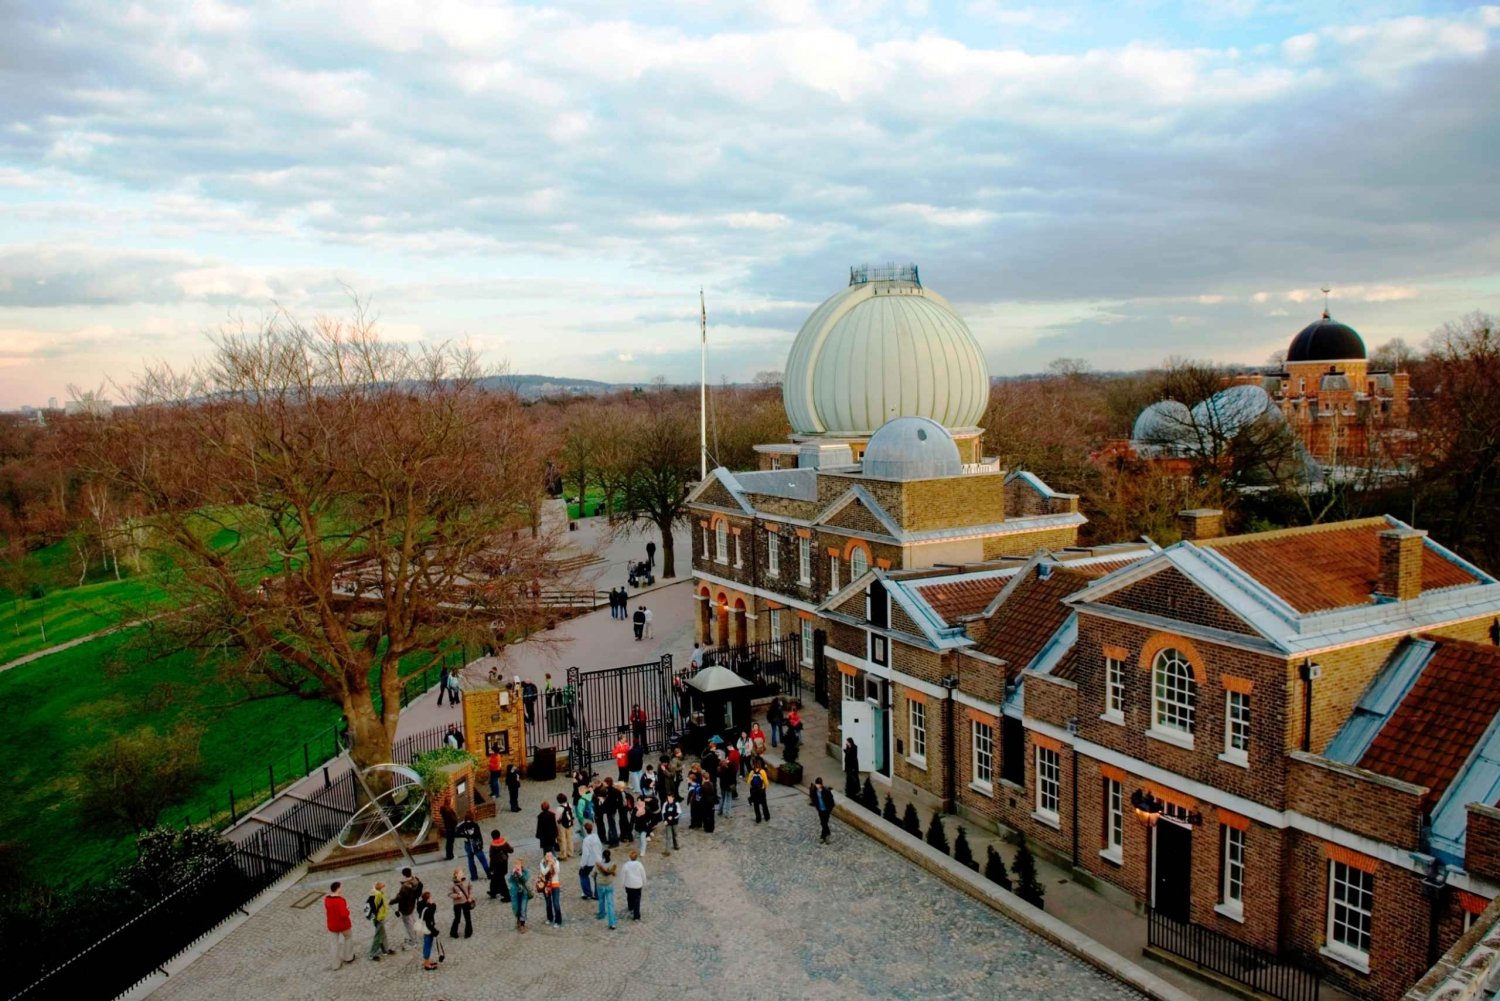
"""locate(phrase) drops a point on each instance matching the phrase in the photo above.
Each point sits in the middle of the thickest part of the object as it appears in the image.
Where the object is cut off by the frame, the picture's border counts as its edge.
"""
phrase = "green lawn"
(594, 499)
(54, 707)
(28, 625)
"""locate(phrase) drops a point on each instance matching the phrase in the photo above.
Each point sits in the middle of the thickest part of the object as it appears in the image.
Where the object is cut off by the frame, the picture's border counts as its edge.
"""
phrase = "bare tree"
(331, 504)
(663, 467)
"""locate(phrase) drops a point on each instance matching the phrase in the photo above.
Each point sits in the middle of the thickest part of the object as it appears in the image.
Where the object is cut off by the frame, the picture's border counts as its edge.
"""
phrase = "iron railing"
(1275, 976)
(772, 666)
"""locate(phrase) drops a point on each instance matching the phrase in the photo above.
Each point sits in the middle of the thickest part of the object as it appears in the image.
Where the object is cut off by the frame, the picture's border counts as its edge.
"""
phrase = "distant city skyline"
(1119, 184)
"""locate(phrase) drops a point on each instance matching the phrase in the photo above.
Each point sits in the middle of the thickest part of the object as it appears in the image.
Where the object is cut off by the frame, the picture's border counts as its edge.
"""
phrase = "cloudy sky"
(1120, 182)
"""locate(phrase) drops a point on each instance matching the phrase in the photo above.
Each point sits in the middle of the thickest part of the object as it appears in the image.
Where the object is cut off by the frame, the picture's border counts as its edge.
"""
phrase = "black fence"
(603, 706)
(1209, 950)
(163, 928)
(772, 666)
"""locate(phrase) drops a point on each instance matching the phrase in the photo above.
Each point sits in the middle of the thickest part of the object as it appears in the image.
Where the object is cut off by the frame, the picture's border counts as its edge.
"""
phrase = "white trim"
(1347, 957)
(983, 788)
(1117, 720)
(917, 762)
(759, 592)
(1174, 737)
(963, 698)
(1047, 819)
(1240, 758)
(896, 677)
(1232, 913)
(1112, 855)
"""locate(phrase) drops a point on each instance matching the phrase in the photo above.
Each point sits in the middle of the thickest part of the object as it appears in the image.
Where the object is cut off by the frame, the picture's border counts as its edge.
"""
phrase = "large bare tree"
(663, 466)
(332, 504)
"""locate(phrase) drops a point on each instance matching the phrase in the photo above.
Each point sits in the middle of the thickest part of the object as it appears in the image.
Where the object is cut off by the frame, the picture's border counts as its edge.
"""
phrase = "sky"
(1119, 182)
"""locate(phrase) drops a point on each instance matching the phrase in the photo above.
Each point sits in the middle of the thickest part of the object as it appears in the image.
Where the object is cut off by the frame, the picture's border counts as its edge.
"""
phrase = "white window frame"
(775, 462)
(880, 649)
(916, 732)
(833, 574)
(1048, 784)
(739, 556)
(721, 542)
(1114, 821)
(982, 756)
(1231, 873)
(1114, 690)
(804, 560)
(848, 688)
(858, 563)
(774, 623)
(1174, 706)
(1236, 728)
(807, 640)
(1347, 888)
(773, 555)
(707, 552)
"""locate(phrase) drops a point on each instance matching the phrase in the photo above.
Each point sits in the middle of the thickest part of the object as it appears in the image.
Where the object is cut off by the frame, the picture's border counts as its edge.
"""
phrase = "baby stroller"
(640, 574)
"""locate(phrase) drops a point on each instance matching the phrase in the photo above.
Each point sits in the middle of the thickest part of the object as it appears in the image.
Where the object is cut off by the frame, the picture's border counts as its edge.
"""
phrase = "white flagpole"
(702, 389)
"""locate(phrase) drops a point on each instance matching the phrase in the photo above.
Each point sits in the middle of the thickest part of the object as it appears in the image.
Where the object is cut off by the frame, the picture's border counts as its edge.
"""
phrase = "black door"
(1174, 868)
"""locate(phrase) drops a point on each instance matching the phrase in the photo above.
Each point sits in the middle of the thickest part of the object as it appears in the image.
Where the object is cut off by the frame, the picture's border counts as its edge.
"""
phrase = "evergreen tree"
(867, 797)
(962, 853)
(911, 821)
(936, 836)
(994, 869)
(1028, 887)
(889, 813)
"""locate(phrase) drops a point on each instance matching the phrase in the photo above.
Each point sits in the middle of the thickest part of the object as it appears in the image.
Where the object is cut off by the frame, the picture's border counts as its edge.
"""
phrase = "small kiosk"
(720, 701)
(493, 721)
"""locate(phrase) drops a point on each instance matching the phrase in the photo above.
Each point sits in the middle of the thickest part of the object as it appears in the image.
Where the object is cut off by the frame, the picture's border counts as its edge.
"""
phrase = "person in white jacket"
(633, 875)
(590, 855)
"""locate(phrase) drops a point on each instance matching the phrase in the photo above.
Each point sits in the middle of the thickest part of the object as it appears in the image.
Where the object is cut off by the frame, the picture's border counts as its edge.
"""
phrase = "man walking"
(591, 853)
(639, 621)
(378, 910)
(671, 813)
(821, 798)
(758, 781)
(473, 845)
(546, 828)
(695, 661)
(407, 899)
(635, 761)
(633, 875)
(495, 774)
(606, 807)
(649, 617)
(513, 786)
(450, 826)
(340, 926)
(776, 716)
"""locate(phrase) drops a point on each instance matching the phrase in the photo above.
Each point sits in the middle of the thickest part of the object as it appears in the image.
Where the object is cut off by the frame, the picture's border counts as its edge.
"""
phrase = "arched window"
(858, 564)
(1176, 693)
(721, 541)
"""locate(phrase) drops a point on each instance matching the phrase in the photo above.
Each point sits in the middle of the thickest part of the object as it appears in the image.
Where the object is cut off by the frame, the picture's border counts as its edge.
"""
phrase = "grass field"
(28, 625)
(594, 499)
(53, 708)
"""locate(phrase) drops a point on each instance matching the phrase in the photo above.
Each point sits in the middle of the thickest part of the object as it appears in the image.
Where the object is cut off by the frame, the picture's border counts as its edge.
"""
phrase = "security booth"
(494, 721)
(720, 702)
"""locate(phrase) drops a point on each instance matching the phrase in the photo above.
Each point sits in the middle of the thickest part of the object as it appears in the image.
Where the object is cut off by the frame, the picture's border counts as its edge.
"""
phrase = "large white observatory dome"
(882, 348)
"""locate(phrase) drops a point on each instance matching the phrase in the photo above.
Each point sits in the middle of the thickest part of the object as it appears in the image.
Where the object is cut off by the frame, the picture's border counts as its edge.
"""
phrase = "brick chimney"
(1400, 564)
(1200, 523)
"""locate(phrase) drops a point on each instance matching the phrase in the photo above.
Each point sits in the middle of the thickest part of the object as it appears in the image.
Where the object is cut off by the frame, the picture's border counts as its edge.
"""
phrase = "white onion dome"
(911, 448)
(884, 347)
(1165, 422)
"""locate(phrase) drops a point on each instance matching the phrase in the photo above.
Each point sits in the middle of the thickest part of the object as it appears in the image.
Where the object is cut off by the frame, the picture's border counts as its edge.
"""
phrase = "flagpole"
(702, 388)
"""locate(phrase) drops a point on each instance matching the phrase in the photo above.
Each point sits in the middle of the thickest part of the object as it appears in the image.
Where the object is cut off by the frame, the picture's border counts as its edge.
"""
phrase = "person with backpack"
(550, 884)
(500, 852)
(407, 899)
(583, 805)
(453, 688)
(671, 813)
(461, 892)
(728, 785)
(473, 845)
(590, 853)
(377, 910)
(520, 893)
(340, 925)
(758, 781)
(427, 917)
(564, 827)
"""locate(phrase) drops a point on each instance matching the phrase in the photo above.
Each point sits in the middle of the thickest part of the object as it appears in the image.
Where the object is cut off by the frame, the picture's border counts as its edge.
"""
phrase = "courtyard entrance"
(603, 704)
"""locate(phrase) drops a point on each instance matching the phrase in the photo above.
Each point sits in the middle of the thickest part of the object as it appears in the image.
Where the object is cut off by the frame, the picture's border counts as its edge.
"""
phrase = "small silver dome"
(912, 448)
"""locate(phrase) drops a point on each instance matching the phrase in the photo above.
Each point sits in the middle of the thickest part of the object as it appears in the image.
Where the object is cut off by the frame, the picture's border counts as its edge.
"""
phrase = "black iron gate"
(602, 705)
(820, 668)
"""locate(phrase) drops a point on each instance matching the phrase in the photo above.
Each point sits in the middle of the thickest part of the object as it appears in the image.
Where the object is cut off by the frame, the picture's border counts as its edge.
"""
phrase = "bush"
(994, 869)
(962, 853)
(1028, 887)
(169, 858)
(889, 813)
(936, 836)
(867, 797)
(134, 776)
(428, 767)
(911, 821)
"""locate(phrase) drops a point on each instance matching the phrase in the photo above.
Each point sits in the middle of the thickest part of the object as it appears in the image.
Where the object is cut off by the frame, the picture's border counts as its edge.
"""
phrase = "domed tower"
(882, 348)
(1322, 349)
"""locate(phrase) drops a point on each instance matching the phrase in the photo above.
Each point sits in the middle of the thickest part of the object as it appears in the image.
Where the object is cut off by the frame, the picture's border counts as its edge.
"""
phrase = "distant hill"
(536, 387)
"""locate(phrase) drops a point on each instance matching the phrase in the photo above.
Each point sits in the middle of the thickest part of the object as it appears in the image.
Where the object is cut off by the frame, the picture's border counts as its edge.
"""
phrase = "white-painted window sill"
(1118, 719)
(1240, 758)
(1048, 819)
(1173, 737)
(1353, 960)
(1234, 912)
(918, 762)
(1112, 856)
(1012, 786)
(984, 788)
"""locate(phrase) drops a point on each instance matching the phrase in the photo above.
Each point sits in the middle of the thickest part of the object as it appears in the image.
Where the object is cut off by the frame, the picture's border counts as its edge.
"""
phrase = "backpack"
(370, 907)
(566, 818)
(756, 782)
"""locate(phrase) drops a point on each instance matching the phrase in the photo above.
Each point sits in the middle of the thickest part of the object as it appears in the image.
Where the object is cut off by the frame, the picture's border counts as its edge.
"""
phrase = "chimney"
(1200, 523)
(1400, 564)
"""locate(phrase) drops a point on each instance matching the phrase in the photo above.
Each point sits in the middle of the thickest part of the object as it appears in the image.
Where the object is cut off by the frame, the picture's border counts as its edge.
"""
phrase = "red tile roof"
(954, 599)
(1434, 729)
(1322, 567)
(1031, 613)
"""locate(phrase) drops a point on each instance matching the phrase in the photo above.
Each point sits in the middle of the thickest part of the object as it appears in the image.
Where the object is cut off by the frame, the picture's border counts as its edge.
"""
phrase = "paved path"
(752, 910)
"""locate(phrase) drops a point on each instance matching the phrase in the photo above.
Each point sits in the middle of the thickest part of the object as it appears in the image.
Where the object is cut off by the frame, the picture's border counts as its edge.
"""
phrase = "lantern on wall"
(1147, 807)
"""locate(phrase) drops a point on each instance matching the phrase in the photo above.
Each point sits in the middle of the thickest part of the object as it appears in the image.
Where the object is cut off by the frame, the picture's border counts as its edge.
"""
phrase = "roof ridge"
(1281, 533)
(1471, 645)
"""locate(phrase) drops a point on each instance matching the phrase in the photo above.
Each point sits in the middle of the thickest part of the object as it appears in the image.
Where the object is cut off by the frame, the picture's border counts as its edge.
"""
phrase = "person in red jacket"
(622, 758)
(340, 926)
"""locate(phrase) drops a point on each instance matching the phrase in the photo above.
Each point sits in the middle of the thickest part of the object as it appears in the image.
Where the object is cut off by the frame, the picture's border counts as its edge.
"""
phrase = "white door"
(859, 725)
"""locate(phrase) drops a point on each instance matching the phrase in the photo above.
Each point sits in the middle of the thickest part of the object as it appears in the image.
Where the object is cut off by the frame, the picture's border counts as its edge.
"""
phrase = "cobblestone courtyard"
(752, 910)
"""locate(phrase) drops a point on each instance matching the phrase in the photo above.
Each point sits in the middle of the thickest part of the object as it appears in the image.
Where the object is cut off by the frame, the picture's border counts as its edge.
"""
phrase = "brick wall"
(1356, 800)
(1025, 544)
(1168, 593)
(953, 501)
(1058, 839)
(1346, 675)
(1482, 845)
(929, 778)
(1051, 700)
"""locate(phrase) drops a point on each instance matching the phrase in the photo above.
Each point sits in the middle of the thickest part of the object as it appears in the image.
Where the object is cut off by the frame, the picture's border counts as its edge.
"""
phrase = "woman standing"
(427, 918)
(461, 892)
(551, 881)
(604, 888)
(520, 893)
(500, 851)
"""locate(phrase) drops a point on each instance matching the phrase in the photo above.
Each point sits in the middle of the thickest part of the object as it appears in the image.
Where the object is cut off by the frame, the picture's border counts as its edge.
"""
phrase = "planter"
(789, 775)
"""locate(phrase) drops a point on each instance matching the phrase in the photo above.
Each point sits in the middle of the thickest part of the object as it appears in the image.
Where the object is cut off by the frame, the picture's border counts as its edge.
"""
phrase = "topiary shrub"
(994, 869)
(889, 813)
(962, 853)
(1028, 887)
(429, 766)
(867, 797)
(936, 836)
(911, 821)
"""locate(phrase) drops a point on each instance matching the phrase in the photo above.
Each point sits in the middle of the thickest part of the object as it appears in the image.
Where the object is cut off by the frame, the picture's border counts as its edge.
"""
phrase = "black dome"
(1326, 340)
